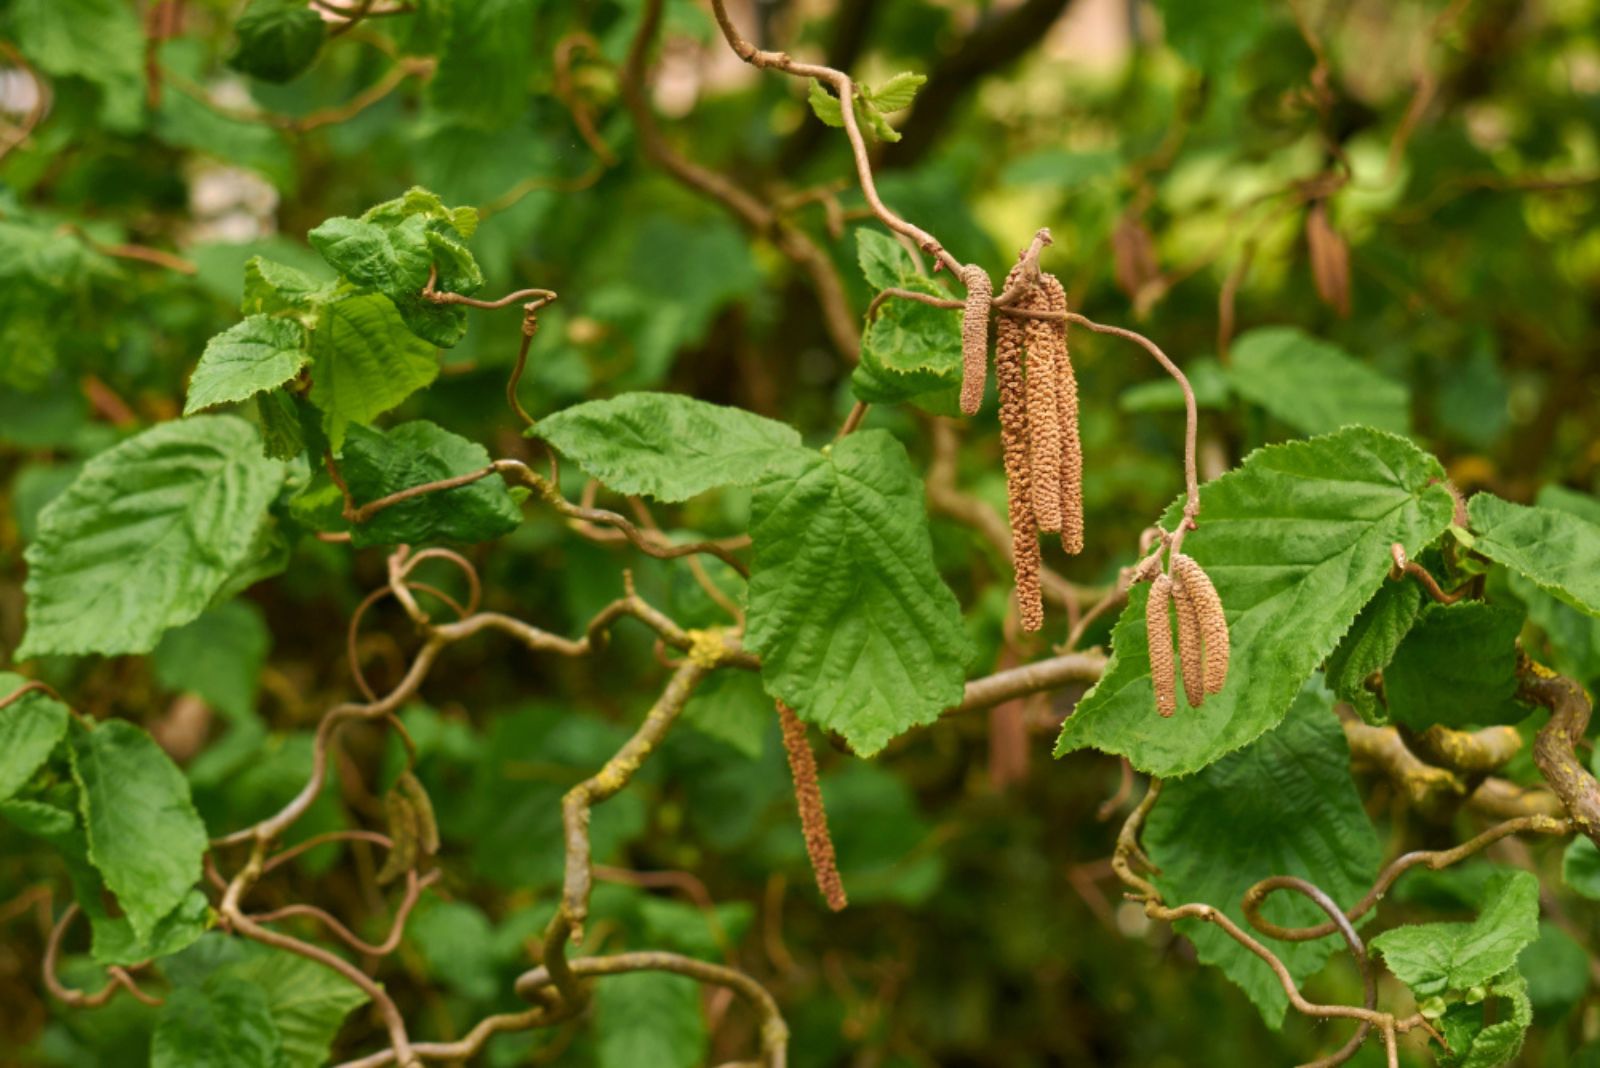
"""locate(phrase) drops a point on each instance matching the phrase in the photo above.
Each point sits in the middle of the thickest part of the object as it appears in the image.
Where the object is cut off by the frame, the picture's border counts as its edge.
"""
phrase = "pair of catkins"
(1038, 416)
(1044, 475)
(1203, 648)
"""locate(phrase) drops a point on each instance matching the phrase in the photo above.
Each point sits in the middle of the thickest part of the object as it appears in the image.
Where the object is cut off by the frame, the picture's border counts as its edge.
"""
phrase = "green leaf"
(257, 354)
(1313, 386)
(1580, 867)
(732, 707)
(909, 350)
(278, 39)
(1475, 1045)
(1557, 550)
(307, 1001)
(113, 938)
(650, 1018)
(1284, 805)
(283, 436)
(1370, 644)
(855, 628)
(365, 363)
(1296, 541)
(1457, 667)
(377, 464)
(669, 446)
(224, 1023)
(30, 727)
(483, 72)
(219, 656)
(146, 536)
(884, 261)
(1574, 635)
(100, 41)
(144, 835)
(393, 260)
(897, 93)
(271, 288)
(116, 942)
(1439, 959)
(824, 105)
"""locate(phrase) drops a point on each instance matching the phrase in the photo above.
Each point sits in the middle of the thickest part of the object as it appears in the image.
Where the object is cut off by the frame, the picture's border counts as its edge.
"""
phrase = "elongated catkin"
(1191, 644)
(1044, 416)
(1067, 400)
(1014, 441)
(1213, 621)
(975, 337)
(1158, 628)
(813, 816)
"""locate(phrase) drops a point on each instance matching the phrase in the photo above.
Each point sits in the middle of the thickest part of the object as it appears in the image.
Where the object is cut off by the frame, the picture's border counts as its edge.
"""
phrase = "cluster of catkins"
(1038, 416)
(1202, 635)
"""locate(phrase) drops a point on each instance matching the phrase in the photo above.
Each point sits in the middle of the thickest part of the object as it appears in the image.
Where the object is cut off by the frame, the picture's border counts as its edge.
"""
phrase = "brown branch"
(756, 215)
(1020, 681)
(413, 893)
(1471, 753)
(120, 979)
(1402, 568)
(1358, 951)
(1553, 746)
(1128, 854)
(845, 88)
(774, 1032)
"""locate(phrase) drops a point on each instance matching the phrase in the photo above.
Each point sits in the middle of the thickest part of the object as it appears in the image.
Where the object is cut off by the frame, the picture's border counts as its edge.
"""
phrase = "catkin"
(975, 337)
(1213, 621)
(404, 835)
(1044, 417)
(1067, 401)
(1014, 440)
(1191, 650)
(813, 817)
(427, 823)
(1158, 628)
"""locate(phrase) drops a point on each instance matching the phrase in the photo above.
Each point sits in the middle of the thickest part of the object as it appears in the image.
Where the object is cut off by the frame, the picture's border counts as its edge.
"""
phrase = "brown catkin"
(813, 817)
(1067, 401)
(1213, 621)
(1044, 414)
(975, 337)
(1158, 628)
(1014, 440)
(1191, 651)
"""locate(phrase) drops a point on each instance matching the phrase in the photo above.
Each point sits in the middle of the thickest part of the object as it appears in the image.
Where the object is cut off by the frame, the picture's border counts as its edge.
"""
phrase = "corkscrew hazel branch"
(1128, 855)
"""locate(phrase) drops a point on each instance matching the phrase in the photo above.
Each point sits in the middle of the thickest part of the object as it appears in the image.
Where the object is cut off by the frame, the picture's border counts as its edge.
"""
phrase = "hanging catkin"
(1044, 413)
(975, 337)
(1158, 628)
(1067, 400)
(1191, 645)
(1014, 440)
(813, 817)
(1213, 622)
